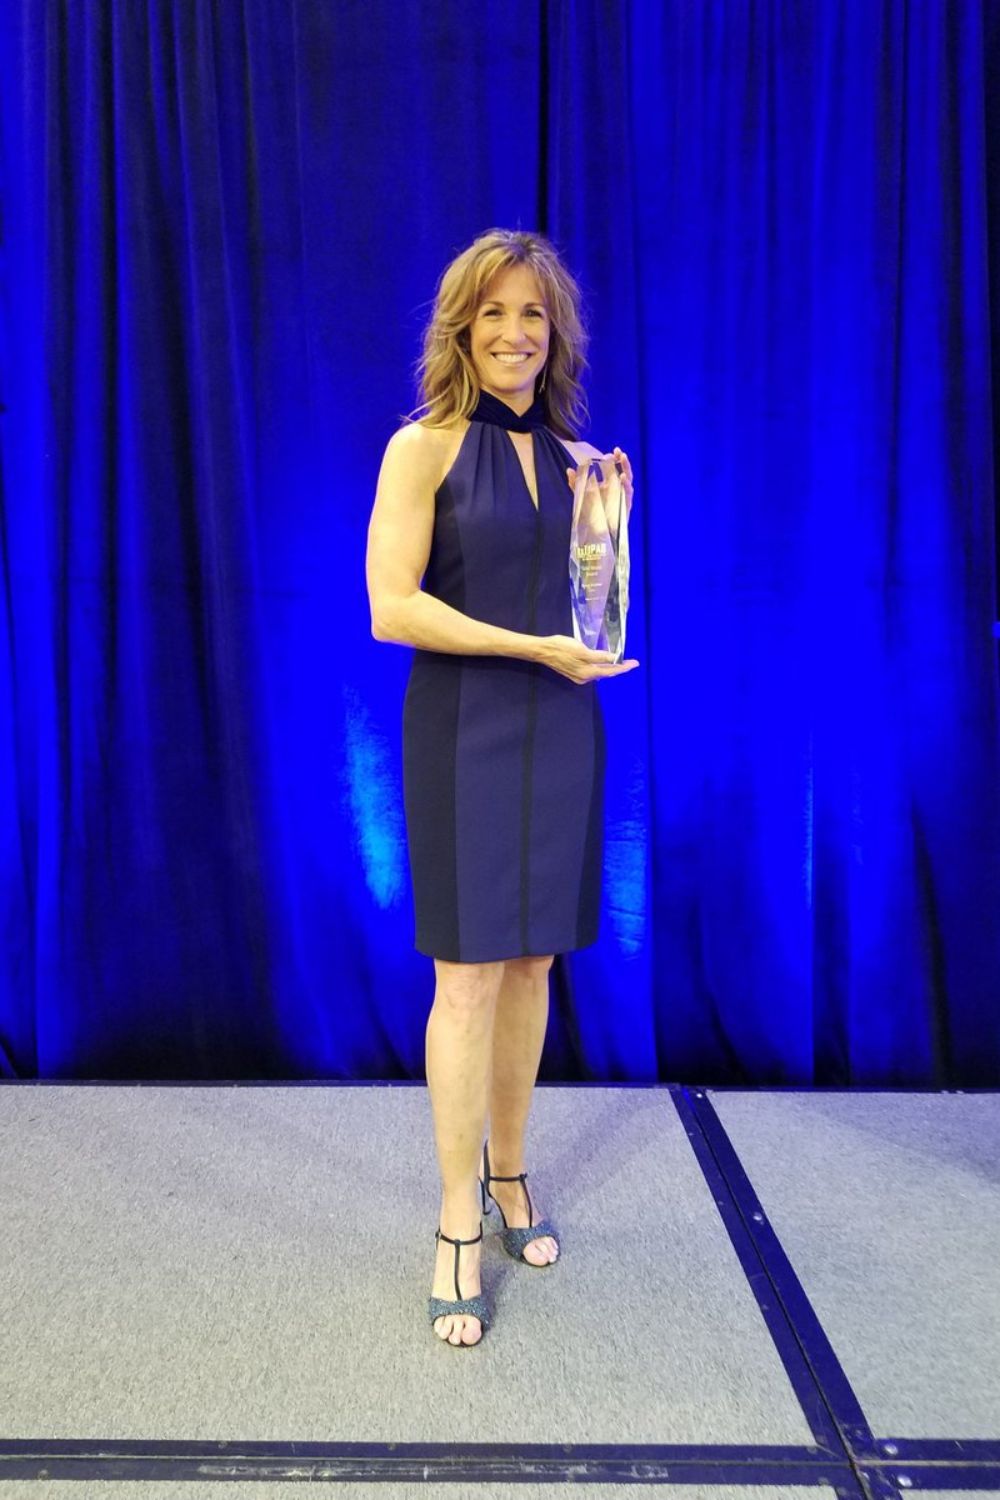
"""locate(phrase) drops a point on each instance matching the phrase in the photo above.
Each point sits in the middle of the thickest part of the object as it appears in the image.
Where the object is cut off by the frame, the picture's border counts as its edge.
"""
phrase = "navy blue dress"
(503, 759)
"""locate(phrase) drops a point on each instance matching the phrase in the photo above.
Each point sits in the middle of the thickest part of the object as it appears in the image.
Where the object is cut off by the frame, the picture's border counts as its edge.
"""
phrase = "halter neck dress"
(503, 759)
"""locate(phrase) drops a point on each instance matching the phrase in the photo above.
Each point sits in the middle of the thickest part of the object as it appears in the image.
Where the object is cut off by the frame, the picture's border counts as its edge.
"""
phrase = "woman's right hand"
(567, 655)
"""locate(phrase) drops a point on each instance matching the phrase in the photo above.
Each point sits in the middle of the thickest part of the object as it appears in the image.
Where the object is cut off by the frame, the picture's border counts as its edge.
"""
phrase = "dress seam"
(529, 745)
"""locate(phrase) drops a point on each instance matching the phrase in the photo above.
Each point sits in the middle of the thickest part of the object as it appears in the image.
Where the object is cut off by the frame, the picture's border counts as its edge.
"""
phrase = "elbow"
(388, 616)
(380, 629)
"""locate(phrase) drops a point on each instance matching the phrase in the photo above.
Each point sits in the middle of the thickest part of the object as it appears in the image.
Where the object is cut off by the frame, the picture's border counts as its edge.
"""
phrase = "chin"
(498, 374)
(511, 382)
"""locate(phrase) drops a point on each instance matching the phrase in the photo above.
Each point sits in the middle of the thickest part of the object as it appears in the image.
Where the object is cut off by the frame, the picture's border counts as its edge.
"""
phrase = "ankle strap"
(441, 1235)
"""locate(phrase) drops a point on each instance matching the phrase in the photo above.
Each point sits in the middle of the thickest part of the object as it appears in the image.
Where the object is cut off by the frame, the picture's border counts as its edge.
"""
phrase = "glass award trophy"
(598, 556)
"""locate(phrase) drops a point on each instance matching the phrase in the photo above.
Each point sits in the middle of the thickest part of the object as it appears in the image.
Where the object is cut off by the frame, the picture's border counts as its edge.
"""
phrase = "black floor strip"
(471, 1463)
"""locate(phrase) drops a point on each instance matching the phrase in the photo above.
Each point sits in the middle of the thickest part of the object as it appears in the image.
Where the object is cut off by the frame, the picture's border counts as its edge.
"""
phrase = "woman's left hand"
(622, 457)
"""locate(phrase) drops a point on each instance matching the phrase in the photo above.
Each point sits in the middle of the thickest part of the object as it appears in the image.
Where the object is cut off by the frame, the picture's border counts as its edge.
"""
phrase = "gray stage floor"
(190, 1264)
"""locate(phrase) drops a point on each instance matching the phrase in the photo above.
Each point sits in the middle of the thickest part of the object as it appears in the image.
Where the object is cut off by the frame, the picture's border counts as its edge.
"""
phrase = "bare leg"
(459, 1061)
(518, 1037)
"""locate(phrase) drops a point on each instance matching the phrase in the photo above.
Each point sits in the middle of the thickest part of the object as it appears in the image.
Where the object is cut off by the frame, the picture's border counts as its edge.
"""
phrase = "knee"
(530, 968)
(467, 987)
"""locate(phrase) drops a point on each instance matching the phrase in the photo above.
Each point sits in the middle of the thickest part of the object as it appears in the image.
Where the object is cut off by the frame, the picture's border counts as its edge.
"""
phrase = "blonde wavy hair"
(447, 384)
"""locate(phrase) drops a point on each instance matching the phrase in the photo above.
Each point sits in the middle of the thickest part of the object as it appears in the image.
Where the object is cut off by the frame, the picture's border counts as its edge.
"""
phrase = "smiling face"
(509, 336)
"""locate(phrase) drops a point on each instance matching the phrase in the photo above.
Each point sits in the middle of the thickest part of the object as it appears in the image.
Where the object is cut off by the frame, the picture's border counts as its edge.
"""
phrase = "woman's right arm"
(399, 543)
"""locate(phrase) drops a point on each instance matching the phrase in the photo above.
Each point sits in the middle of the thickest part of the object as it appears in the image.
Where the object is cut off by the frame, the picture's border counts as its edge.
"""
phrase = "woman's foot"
(511, 1198)
(458, 1328)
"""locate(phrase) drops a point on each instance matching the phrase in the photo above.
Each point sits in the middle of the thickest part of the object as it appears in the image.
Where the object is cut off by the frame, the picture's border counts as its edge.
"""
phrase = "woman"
(503, 738)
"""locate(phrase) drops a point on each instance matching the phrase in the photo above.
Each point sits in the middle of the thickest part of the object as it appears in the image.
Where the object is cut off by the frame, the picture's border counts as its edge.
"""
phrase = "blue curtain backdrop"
(222, 225)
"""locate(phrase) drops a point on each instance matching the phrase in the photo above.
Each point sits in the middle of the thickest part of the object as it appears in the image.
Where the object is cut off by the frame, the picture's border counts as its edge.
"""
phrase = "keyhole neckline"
(536, 505)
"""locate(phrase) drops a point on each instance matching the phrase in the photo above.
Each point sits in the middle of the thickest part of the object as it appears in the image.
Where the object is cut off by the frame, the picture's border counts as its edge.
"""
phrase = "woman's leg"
(518, 1037)
(459, 1060)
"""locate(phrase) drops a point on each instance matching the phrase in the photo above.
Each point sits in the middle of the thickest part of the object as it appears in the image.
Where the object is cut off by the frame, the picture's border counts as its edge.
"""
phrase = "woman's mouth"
(511, 359)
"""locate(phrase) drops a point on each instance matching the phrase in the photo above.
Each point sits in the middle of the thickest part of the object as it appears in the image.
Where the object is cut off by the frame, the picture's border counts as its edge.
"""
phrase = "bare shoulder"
(430, 449)
(416, 438)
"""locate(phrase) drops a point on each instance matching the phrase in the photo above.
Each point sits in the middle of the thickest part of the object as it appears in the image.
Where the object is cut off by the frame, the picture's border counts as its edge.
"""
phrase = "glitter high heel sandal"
(514, 1240)
(475, 1307)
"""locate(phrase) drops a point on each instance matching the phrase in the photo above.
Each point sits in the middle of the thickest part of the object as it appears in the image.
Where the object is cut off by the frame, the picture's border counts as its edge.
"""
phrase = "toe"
(471, 1331)
(541, 1251)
